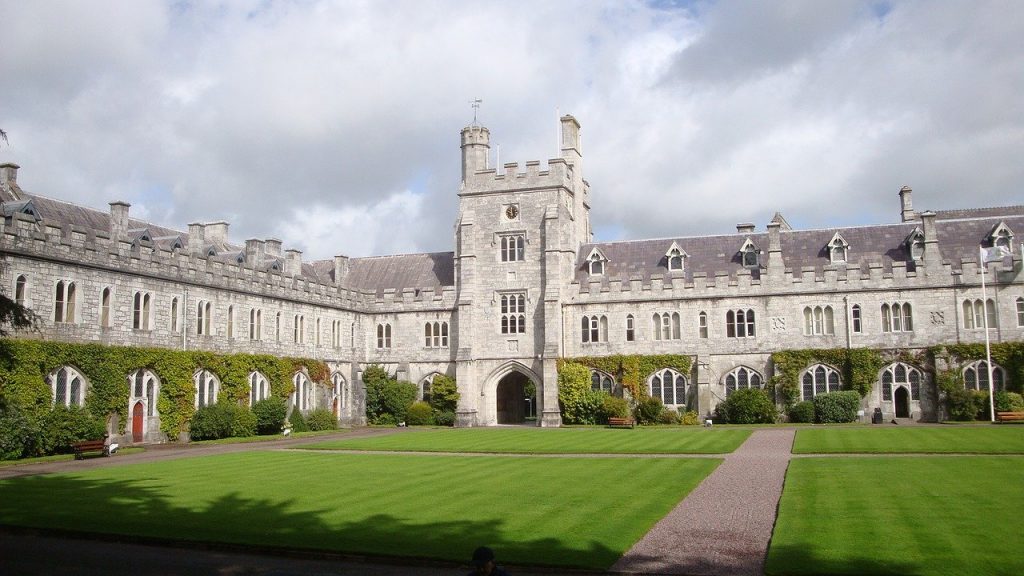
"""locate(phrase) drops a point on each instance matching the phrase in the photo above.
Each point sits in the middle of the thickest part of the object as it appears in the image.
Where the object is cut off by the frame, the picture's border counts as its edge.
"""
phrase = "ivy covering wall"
(25, 364)
(1008, 355)
(631, 370)
(859, 368)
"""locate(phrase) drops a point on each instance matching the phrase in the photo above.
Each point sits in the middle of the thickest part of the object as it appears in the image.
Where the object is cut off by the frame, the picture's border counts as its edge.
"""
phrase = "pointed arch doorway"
(511, 398)
(902, 398)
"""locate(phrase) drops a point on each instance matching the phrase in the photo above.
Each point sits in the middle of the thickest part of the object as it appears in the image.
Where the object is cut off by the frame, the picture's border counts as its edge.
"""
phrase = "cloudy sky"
(335, 125)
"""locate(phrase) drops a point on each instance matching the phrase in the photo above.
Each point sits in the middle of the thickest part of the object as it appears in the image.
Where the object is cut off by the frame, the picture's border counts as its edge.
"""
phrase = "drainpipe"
(849, 322)
(184, 321)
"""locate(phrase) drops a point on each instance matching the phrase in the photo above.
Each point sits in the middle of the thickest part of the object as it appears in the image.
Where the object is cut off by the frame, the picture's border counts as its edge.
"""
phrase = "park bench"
(81, 448)
(1009, 416)
(621, 423)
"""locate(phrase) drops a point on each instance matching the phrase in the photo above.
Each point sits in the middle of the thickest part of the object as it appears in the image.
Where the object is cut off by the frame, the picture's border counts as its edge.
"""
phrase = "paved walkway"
(723, 527)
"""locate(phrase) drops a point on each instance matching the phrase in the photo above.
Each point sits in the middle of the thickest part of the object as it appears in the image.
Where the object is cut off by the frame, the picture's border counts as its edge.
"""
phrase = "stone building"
(525, 286)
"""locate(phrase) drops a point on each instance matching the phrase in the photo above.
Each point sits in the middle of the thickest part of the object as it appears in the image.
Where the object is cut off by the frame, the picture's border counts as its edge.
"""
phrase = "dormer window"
(837, 249)
(240, 258)
(748, 254)
(915, 245)
(596, 262)
(1001, 236)
(674, 258)
(211, 252)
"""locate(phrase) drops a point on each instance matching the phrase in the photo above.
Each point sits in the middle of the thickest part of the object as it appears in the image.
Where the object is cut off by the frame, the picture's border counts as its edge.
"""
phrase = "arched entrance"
(511, 398)
(902, 401)
(138, 416)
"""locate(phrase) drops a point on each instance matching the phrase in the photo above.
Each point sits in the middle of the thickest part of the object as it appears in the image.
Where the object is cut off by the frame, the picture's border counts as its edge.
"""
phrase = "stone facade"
(524, 287)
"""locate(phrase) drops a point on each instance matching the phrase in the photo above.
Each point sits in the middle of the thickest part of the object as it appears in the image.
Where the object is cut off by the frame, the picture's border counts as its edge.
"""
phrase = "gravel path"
(723, 527)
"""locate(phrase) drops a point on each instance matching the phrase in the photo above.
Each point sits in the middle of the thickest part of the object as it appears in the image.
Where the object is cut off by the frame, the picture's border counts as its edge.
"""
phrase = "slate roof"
(431, 270)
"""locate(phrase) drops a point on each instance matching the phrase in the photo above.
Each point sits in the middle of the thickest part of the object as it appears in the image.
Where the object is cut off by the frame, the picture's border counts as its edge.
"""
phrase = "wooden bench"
(81, 448)
(1009, 416)
(621, 423)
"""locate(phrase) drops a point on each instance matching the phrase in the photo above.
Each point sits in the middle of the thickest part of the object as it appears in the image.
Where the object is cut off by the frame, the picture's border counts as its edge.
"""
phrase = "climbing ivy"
(631, 370)
(859, 367)
(1008, 355)
(25, 364)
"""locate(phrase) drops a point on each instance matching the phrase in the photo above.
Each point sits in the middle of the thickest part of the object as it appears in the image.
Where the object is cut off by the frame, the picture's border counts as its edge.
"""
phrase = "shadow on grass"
(142, 511)
(793, 560)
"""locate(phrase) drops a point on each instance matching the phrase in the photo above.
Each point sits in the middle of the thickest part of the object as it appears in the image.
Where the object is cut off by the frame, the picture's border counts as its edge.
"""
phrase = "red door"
(137, 416)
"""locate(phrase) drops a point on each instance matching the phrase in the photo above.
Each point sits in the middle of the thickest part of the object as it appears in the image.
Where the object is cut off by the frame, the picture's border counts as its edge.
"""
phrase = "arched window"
(425, 386)
(20, 286)
(65, 296)
(277, 327)
(105, 308)
(856, 316)
(900, 374)
(513, 313)
(207, 388)
(336, 333)
(204, 313)
(595, 328)
(512, 247)
(739, 323)
(976, 314)
(339, 387)
(255, 320)
(317, 330)
(819, 320)
(302, 398)
(601, 382)
(67, 386)
(666, 326)
(819, 379)
(897, 317)
(174, 314)
(140, 311)
(145, 386)
(740, 379)
(435, 334)
(669, 386)
(231, 321)
(1020, 312)
(630, 328)
(299, 328)
(259, 388)
(383, 336)
(976, 376)
(702, 324)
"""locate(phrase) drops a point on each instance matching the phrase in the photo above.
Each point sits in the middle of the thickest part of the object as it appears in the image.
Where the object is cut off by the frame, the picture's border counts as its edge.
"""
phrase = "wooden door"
(138, 417)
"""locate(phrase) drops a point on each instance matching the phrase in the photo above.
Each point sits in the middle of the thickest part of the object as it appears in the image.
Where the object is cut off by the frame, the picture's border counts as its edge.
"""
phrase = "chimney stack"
(273, 247)
(216, 233)
(745, 228)
(196, 238)
(293, 262)
(906, 208)
(119, 220)
(340, 269)
(9, 173)
(254, 252)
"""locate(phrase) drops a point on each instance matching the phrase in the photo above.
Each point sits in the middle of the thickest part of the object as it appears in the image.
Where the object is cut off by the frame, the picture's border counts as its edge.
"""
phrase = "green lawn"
(905, 516)
(678, 440)
(923, 439)
(581, 512)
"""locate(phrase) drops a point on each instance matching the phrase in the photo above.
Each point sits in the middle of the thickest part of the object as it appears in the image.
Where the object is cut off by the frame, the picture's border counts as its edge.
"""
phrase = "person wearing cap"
(483, 562)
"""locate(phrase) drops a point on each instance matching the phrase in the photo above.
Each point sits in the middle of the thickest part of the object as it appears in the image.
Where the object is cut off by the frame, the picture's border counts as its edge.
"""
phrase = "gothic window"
(231, 321)
(915, 245)
(339, 386)
(666, 326)
(513, 247)
(105, 308)
(259, 388)
(702, 324)
(299, 329)
(630, 328)
(596, 262)
(175, 321)
(207, 387)
(675, 258)
(819, 379)
(900, 374)
(748, 254)
(976, 376)
(144, 385)
(302, 398)
(1020, 312)
(897, 317)
(818, 320)
(140, 311)
(837, 249)
(601, 382)
(595, 329)
(67, 386)
(513, 313)
(740, 379)
(204, 314)
(277, 327)
(383, 336)
(19, 289)
(976, 314)
(435, 334)
(669, 386)
(317, 337)
(425, 386)
(739, 323)
(856, 315)
(1002, 237)
(64, 302)
(336, 333)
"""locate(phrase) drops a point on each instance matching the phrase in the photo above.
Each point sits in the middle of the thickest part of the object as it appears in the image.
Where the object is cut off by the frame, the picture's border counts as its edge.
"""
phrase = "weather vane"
(475, 103)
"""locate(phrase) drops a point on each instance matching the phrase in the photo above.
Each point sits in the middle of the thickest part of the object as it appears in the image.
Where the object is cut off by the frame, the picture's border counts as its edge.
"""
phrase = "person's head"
(483, 560)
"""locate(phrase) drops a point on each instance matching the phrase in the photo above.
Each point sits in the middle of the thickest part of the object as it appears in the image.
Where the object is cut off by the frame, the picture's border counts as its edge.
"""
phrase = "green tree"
(578, 403)
(444, 394)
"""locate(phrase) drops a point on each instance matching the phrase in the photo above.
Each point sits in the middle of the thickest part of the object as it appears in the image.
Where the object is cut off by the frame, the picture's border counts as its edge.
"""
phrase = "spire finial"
(475, 103)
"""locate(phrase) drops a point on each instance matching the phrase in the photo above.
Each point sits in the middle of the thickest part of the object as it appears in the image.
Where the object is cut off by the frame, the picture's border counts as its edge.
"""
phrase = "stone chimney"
(119, 220)
(216, 233)
(9, 173)
(932, 257)
(745, 228)
(254, 252)
(340, 269)
(196, 238)
(273, 247)
(293, 262)
(906, 207)
(776, 267)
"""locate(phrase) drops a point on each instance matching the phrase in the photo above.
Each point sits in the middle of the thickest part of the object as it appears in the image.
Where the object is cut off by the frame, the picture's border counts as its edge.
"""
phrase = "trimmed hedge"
(419, 414)
(270, 415)
(836, 407)
(222, 420)
(648, 410)
(748, 406)
(321, 419)
(802, 412)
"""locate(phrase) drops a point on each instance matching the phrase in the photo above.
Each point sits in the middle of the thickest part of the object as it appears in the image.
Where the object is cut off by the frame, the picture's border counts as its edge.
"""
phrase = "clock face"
(511, 212)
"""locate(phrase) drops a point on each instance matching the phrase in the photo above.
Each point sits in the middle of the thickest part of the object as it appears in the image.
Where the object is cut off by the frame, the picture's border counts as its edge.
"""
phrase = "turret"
(476, 146)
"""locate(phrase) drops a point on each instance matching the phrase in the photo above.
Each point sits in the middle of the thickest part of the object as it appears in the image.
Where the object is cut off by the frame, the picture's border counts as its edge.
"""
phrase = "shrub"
(964, 405)
(419, 414)
(802, 412)
(613, 407)
(444, 394)
(386, 420)
(298, 421)
(691, 418)
(387, 397)
(836, 407)
(20, 435)
(575, 396)
(668, 417)
(211, 422)
(444, 418)
(270, 415)
(321, 419)
(747, 406)
(243, 421)
(1008, 402)
(648, 410)
(65, 425)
